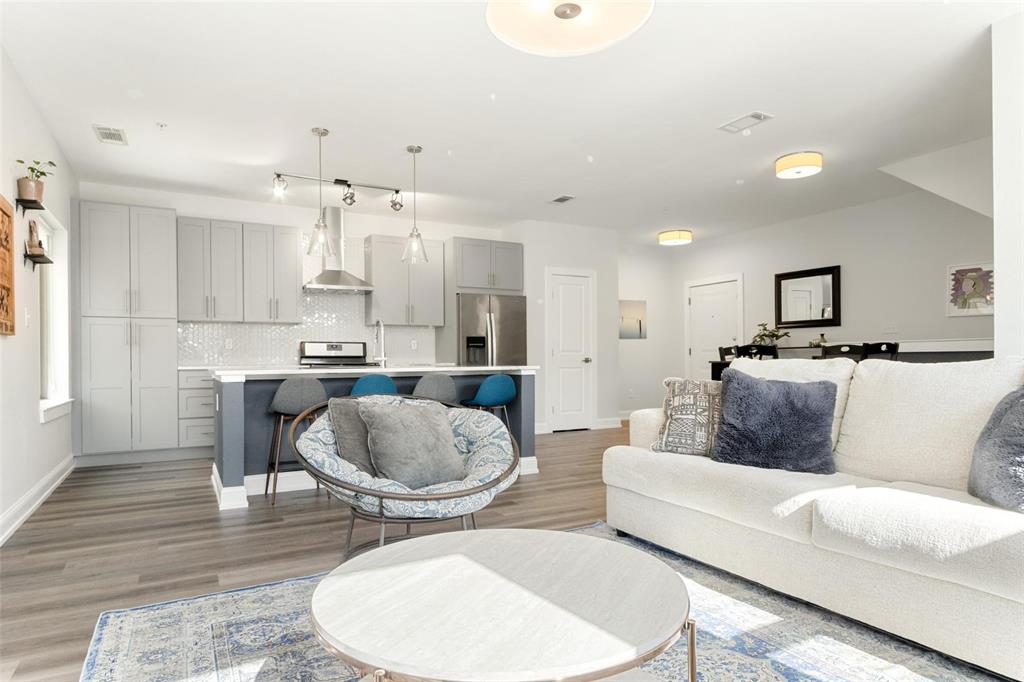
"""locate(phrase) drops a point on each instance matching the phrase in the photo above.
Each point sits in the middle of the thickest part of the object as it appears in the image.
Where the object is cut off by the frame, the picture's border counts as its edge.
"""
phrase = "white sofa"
(892, 539)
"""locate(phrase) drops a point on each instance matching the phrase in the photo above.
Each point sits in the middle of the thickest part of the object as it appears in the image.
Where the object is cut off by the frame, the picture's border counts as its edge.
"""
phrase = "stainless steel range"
(334, 354)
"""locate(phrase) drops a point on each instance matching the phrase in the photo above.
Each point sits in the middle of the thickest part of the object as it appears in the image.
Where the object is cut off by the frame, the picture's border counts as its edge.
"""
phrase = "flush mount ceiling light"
(675, 237)
(414, 252)
(565, 29)
(798, 165)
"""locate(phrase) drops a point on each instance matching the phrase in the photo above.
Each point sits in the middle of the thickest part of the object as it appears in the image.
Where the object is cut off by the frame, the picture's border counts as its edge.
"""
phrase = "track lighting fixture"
(280, 186)
(396, 201)
(348, 196)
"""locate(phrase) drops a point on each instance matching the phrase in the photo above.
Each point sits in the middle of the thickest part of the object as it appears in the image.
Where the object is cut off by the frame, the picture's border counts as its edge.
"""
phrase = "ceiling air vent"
(110, 135)
(743, 122)
(564, 199)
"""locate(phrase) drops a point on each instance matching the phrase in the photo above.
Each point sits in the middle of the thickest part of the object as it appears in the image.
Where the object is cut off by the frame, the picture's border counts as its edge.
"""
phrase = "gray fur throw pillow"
(693, 409)
(776, 424)
(997, 470)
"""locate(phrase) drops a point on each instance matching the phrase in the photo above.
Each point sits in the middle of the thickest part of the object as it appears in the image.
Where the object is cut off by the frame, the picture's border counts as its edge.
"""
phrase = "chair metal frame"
(382, 519)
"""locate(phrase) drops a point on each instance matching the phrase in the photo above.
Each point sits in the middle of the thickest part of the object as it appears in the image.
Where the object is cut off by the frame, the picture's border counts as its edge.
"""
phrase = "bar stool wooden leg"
(274, 440)
(277, 458)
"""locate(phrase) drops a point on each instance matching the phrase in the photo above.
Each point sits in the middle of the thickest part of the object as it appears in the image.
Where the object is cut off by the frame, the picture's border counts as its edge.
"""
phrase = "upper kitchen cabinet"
(485, 264)
(404, 294)
(272, 273)
(128, 261)
(209, 270)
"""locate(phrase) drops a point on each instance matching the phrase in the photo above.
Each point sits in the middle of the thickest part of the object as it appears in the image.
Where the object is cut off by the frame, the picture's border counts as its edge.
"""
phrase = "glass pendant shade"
(320, 240)
(414, 251)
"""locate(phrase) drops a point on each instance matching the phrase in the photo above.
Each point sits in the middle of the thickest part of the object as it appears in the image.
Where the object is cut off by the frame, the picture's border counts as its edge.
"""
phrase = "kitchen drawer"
(194, 378)
(195, 402)
(194, 433)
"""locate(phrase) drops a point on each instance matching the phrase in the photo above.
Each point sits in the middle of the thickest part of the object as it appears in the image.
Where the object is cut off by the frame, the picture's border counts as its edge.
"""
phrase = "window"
(54, 346)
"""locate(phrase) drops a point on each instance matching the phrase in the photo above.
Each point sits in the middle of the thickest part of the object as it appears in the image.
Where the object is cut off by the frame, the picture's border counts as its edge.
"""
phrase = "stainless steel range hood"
(339, 280)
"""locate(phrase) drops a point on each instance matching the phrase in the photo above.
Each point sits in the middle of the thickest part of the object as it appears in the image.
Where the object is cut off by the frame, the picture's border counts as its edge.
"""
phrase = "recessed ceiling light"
(568, 28)
(675, 237)
(798, 165)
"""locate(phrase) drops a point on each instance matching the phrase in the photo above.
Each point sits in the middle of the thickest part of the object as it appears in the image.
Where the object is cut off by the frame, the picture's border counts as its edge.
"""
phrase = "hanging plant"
(30, 187)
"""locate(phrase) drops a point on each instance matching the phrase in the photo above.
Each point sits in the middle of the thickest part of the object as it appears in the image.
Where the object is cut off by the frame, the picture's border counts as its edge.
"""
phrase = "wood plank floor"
(117, 537)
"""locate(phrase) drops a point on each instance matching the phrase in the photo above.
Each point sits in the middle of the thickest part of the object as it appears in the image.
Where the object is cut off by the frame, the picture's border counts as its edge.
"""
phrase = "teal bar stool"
(374, 384)
(496, 392)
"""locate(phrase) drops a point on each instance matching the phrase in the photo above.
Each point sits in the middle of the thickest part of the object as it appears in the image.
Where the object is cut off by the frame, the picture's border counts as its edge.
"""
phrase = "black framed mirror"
(808, 298)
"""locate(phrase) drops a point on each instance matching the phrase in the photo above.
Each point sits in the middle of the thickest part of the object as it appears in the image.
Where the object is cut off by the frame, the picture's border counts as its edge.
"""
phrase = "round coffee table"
(502, 606)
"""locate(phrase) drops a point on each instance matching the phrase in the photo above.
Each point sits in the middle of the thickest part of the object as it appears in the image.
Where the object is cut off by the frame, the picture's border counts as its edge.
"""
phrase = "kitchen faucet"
(378, 336)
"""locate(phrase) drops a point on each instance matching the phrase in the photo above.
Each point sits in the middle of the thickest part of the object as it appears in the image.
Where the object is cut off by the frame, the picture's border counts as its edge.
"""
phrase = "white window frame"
(54, 330)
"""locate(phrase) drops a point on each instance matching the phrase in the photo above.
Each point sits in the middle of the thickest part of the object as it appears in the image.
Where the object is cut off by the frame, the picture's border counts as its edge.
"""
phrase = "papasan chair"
(490, 454)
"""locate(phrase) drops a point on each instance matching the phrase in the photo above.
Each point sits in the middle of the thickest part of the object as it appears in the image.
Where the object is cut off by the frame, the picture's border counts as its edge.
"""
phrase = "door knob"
(587, 360)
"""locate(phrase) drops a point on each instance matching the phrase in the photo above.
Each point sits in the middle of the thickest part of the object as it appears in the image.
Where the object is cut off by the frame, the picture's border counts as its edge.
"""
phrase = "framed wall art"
(970, 290)
(6, 267)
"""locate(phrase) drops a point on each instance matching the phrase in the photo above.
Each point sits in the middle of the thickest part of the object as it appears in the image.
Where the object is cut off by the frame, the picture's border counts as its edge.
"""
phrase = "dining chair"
(757, 351)
(890, 349)
(854, 351)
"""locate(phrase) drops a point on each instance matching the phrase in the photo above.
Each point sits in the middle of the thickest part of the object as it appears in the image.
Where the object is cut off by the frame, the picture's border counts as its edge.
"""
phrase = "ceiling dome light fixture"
(565, 29)
(280, 186)
(675, 237)
(798, 165)
(414, 252)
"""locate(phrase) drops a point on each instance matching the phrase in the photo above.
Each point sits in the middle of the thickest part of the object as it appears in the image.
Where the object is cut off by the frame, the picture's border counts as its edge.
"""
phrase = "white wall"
(31, 454)
(894, 255)
(549, 244)
(646, 274)
(961, 173)
(1008, 177)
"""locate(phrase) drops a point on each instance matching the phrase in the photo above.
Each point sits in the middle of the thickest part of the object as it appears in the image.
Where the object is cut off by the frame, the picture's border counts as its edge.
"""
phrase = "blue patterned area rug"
(745, 632)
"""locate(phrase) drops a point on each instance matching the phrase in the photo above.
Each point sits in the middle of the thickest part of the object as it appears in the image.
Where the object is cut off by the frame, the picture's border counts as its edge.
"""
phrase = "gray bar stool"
(437, 387)
(293, 397)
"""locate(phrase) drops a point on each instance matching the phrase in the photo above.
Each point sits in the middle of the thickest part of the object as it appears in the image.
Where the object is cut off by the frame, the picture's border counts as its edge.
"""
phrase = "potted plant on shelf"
(768, 337)
(30, 187)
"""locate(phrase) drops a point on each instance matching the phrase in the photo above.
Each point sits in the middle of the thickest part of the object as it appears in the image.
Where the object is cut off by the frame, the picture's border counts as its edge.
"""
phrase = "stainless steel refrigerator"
(491, 330)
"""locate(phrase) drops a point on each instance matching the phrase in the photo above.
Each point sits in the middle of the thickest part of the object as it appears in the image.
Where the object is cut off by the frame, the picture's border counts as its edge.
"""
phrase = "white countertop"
(283, 372)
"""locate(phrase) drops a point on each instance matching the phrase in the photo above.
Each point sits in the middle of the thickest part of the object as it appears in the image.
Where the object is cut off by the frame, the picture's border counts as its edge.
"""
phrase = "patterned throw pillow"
(693, 410)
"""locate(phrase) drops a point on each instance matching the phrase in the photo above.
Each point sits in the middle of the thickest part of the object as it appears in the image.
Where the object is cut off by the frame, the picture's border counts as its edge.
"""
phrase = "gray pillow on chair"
(350, 433)
(412, 443)
(997, 470)
(776, 424)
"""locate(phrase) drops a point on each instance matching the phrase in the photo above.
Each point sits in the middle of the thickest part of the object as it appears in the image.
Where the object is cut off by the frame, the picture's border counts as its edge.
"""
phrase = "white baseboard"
(528, 466)
(608, 423)
(231, 497)
(143, 456)
(287, 481)
(947, 346)
(19, 512)
(540, 428)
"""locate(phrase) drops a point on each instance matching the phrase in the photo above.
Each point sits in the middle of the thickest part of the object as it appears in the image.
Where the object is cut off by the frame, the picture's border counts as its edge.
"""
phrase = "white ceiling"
(240, 85)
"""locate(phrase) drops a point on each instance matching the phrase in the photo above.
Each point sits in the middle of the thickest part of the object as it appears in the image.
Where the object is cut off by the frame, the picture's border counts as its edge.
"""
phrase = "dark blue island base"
(245, 425)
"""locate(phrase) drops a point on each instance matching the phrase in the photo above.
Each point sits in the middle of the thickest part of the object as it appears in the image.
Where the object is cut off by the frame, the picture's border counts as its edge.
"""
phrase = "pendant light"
(320, 242)
(414, 252)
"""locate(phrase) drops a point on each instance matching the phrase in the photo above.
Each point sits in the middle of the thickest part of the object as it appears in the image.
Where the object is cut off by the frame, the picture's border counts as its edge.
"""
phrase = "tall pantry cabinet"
(129, 356)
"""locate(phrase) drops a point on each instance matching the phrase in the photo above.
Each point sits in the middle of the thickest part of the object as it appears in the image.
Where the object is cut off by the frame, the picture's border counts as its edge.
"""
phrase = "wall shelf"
(29, 205)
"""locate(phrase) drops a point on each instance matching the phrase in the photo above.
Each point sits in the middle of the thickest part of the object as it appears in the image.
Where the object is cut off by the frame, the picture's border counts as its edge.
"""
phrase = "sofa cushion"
(693, 411)
(776, 424)
(919, 422)
(936, 532)
(770, 500)
(837, 370)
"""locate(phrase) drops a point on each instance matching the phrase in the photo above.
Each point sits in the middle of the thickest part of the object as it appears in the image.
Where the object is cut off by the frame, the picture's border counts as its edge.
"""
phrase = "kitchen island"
(245, 425)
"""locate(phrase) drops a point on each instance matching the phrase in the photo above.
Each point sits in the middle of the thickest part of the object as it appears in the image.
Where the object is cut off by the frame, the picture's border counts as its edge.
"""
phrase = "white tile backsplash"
(326, 316)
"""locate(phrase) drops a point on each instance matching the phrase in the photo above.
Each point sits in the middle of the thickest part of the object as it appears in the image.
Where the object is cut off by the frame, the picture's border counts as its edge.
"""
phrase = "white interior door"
(714, 319)
(570, 376)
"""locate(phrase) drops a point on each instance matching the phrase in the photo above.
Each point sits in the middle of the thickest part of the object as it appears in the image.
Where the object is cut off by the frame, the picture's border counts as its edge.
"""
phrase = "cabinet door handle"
(126, 308)
(214, 298)
(127, 342)
(412, 313)
(277, 309)
(270, 308)
(206, 307)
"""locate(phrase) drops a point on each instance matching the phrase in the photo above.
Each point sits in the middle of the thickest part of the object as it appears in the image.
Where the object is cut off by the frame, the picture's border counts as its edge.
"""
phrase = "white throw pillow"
(837, 370)
(919, 422)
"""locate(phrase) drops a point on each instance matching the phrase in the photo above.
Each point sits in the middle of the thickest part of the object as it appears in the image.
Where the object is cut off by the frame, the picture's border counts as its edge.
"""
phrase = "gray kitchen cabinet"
(153, 263)
(105, 259)
(154, 358)
(210, 279)
(272, 273)
(226, 271)
(486, 264)
(193, 269)
(426, 287)
(129, 384)
(106, 362)
(404, 294)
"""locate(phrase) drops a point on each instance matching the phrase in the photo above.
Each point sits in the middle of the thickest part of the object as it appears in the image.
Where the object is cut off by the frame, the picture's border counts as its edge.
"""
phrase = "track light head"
(396, 201)
(349, 195)
(280, 186)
